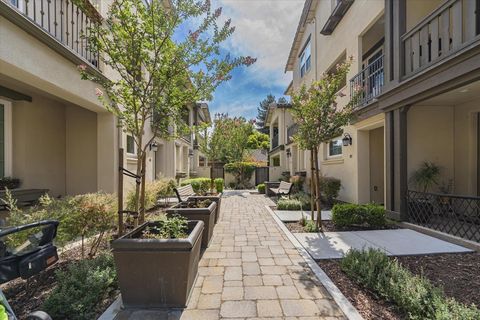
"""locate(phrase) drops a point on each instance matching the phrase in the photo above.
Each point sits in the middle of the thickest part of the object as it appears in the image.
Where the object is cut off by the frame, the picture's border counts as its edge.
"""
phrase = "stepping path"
(251, 271)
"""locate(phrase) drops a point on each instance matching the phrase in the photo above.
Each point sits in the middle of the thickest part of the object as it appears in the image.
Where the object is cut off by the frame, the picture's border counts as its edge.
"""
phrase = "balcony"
(61, 21)
(448, 29)
(291, 131)
(368, 83)
(275, 141)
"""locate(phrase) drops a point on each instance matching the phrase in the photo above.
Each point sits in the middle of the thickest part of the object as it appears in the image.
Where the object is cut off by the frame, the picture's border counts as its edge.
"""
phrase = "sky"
(264, 29)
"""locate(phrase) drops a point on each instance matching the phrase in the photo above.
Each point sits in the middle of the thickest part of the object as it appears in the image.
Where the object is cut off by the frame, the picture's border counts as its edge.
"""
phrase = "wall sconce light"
(190, 153)
(289, 153)
(347, 140)
(154, 146)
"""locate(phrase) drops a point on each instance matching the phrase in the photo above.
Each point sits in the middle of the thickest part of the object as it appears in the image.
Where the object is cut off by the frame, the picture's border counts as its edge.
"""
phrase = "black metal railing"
(368, 83)
(291, 131)
(63, 20)
(453, 214)
(275, 141)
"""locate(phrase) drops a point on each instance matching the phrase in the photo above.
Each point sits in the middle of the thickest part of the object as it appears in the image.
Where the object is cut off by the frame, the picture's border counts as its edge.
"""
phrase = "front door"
(377, 166)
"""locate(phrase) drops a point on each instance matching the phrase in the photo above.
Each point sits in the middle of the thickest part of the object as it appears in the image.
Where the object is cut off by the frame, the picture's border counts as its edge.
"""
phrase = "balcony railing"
(442, 33)
(368, 83)
(291, 131)
(64, 21)
(275, 141)
(453, 214)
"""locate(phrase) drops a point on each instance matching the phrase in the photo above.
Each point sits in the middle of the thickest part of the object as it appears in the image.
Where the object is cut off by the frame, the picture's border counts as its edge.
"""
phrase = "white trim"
(8, 136)
(134, 146)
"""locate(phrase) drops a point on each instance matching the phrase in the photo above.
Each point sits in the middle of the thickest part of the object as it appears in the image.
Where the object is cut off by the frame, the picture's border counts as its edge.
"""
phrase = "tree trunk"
(312, 186)
(141, 216)
(317, 189)
(120, 192)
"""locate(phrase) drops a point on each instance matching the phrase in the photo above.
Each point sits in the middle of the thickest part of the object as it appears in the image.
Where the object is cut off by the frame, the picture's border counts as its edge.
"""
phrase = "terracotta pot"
(207, 215)
(157, 273)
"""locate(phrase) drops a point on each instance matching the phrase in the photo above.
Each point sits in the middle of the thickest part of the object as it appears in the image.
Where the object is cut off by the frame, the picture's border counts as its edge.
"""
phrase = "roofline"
(309, 7)
(273, 106)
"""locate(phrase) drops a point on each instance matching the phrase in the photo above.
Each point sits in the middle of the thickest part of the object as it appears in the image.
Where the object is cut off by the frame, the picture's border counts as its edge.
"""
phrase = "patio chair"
(185, 192)
(284, 189)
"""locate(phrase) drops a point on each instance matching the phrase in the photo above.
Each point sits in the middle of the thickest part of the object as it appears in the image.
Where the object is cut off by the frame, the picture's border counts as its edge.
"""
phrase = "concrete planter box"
(157, 273)
(207, 215)
(269, 185)
(217, 198)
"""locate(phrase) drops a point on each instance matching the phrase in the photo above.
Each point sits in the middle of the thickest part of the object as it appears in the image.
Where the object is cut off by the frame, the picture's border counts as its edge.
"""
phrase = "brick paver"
(252, 271)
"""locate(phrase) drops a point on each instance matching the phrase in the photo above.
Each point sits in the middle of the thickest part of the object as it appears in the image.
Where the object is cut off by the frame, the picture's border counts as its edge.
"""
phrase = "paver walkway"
(252, 271)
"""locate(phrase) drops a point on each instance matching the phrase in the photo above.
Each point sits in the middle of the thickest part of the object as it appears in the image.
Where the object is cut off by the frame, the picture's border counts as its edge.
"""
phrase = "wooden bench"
(185, 192)
(283, 189)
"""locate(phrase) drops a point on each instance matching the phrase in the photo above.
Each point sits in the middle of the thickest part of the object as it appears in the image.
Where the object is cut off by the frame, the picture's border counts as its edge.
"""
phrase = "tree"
(263, 110)
(258, 140)
(155, 76)
(228, 141)
(320, 119)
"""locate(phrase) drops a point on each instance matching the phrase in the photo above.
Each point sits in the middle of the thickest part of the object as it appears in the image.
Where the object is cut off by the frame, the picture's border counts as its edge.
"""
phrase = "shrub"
(261, 188)
(304, 198)
(415, 295)
(289, 204)
(81, 287)
(153, 191)
(219, 183)
(368, 215)
(297, 182)
(200, 185)
(9, 183)
(310, 226)
(242, 171)
(174, 227)
(329, 188)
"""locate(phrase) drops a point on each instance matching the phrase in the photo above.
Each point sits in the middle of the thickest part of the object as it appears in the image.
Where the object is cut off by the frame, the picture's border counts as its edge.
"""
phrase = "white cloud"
(265, 30)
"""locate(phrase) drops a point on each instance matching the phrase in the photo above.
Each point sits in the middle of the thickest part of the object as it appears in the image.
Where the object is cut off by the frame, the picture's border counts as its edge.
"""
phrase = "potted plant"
(424, 179)
(157, 263)
(198, 209)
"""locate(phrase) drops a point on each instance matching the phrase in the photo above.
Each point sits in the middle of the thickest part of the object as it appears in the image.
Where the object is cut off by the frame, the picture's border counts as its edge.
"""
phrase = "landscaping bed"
(28, 296)
(455, 273)
(329, 226)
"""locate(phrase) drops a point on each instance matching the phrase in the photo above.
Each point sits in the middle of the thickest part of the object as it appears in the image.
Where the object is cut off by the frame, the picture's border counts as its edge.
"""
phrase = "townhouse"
(417, 65)
(55, 134)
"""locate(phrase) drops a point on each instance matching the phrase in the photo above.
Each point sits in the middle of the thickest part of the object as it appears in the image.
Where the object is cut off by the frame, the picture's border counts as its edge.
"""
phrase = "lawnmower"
(26, 251)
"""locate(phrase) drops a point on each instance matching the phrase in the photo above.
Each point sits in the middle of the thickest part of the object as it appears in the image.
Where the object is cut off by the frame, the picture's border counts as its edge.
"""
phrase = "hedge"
(199, 185)
(261, 188)
(414, 295)
(368, 215)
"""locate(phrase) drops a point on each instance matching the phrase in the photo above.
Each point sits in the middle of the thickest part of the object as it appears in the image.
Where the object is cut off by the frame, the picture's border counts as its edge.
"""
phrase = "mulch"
(457, 274)
(26, 296)
(328, 226)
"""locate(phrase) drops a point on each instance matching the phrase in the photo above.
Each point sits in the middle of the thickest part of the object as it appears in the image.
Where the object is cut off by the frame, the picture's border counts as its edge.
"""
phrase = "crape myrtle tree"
(159, 65)
(320, 119)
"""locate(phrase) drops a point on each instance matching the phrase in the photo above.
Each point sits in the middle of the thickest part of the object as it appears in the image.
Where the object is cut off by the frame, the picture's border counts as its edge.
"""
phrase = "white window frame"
(8, 137)
(334, 156)
(134, 146)
(306, 58)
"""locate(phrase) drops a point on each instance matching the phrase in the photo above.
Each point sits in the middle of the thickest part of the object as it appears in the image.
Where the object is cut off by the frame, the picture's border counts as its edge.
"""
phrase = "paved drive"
(252, 271)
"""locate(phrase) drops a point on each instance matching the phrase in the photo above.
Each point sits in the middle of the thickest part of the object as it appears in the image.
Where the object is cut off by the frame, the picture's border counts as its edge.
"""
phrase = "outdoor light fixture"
(289, 153)
(154, 146)
(347, 140)
(190, 153)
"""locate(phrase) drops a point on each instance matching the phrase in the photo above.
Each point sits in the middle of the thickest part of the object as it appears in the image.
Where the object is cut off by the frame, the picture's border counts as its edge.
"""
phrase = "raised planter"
(157, 273)
(216, 198)
(207, 215)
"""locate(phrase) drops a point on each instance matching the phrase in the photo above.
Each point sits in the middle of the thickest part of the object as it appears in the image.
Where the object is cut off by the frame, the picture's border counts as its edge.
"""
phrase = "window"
(130, 144)
(276, 162)
(305, 59)
(335, 148)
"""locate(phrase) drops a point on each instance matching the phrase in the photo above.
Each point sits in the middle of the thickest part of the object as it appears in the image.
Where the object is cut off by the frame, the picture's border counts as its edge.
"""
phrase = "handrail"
(427, 19)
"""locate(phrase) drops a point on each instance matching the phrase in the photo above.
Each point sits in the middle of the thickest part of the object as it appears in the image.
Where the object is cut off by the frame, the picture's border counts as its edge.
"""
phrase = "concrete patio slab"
(333, 245)
(293, 215)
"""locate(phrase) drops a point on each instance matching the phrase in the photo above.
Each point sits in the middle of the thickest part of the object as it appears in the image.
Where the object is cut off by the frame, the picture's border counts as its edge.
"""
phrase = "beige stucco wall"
(416, 10)
(39, 144)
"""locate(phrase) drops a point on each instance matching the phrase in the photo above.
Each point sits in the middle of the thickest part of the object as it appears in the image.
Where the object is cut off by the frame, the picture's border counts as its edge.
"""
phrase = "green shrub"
(297, 182)
(242, 171)
(261, 188)
(368, 215)
(200, 185)
(414, 295)
(219, 183)
(289, 204)
(304, 198)
(81, 287)
(232, 185)
(310, 226)
(153, 191)
(329, 188)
